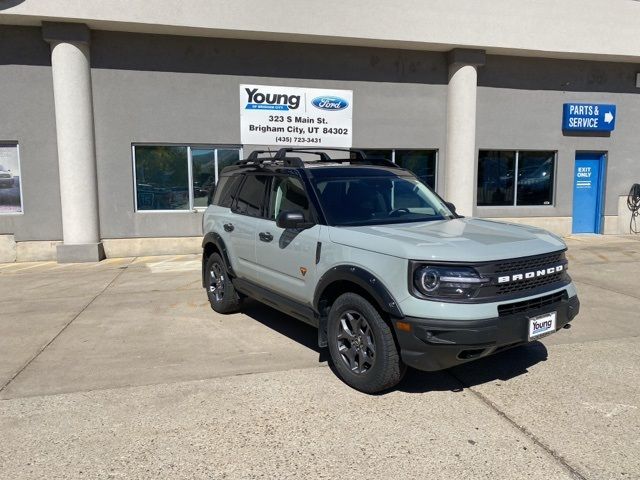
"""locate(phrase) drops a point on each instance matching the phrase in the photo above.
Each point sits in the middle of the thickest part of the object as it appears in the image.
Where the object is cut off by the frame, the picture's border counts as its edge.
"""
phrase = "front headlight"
(447, 282)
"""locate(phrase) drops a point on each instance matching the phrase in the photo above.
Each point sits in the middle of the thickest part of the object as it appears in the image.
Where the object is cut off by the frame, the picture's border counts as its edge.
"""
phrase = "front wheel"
(361, 345)
(222, 295)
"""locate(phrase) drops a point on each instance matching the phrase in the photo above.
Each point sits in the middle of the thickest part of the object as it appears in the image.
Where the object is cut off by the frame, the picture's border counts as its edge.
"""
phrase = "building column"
(73, 99)
(460, 166)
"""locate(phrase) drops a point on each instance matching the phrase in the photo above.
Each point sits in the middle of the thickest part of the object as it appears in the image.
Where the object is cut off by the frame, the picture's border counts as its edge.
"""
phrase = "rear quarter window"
(250, 198)
(226, 191)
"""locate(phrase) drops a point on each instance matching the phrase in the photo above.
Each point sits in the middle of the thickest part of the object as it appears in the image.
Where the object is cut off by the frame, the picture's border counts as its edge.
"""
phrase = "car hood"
(457, 240)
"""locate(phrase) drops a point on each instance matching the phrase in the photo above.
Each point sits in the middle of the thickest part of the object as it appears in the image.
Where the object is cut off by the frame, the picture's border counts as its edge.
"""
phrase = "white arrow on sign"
(608, 117)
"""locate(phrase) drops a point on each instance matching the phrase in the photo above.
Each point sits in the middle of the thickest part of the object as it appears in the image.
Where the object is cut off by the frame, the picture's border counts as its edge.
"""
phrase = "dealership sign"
(295, 116)
(588, 117)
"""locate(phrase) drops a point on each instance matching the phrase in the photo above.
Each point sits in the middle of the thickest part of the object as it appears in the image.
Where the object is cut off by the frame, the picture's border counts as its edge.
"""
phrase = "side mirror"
(292, 219)
(451, 207)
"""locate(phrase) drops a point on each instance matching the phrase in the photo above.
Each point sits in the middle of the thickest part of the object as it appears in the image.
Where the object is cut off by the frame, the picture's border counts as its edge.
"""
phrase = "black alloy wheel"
(356, 342)
(216, 282)
(362, 346)
(222, 295)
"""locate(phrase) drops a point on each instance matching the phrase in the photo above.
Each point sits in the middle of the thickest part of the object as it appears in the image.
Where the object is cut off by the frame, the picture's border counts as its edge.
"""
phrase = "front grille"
(529, 284)
(533, 304)
(495, 289)
(530, 263)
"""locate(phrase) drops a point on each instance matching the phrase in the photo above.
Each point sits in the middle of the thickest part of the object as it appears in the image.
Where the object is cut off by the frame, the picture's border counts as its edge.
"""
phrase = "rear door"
(286, 257)
(219, 217)
(246, 211)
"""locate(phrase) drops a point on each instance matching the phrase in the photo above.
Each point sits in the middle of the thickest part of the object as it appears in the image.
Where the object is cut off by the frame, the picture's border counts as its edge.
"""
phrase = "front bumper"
(433, 344)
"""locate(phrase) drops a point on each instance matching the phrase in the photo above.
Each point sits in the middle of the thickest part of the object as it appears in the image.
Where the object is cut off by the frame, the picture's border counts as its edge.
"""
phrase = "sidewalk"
(122, 370)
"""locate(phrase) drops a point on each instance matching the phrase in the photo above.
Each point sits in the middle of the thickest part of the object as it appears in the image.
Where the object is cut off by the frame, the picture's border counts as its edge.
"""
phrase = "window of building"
(10, 179)
(422, 163)
(372, 153)
(535, 178)
(203, 161)
(178, 177)
(515, 177)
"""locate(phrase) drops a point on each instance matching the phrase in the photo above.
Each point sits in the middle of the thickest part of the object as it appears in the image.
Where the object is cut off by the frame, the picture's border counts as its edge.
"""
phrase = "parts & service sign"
(295, 116)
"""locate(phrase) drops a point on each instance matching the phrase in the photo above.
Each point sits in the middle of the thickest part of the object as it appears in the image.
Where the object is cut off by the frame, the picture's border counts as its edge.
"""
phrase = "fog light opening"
(468, 354)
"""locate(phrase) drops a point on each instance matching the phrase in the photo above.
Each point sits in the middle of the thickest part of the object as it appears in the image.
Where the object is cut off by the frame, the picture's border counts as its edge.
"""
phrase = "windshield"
(378, 200)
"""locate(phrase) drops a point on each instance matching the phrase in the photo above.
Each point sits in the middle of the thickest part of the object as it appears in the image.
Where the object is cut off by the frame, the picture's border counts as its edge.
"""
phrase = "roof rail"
(359, 154)
(282, 153)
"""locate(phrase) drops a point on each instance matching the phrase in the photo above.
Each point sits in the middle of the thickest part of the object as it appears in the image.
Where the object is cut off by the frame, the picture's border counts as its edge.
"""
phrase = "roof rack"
(360, 156)
(355, 156)
(253, 159)
(253, 156)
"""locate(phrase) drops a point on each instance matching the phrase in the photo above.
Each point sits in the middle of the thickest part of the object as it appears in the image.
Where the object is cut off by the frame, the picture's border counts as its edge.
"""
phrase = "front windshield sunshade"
(378, 201)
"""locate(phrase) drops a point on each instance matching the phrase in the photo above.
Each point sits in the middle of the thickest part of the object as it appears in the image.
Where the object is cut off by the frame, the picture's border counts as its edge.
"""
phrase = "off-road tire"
(220, 291)
(386, 369)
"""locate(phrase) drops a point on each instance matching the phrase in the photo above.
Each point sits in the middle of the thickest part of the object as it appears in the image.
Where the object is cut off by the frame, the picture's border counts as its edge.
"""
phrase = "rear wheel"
(361, 345)
(222, 295)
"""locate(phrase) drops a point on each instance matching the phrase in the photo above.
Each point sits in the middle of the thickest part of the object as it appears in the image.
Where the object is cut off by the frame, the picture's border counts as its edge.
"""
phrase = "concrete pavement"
(121, 370)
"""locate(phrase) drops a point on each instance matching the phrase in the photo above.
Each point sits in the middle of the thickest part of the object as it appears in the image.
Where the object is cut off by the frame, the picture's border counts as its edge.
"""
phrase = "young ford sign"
(588, 117)
(295, 116)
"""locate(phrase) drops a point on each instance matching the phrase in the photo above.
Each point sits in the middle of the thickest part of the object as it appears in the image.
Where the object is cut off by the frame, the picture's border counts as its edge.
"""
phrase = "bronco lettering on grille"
(532, 274)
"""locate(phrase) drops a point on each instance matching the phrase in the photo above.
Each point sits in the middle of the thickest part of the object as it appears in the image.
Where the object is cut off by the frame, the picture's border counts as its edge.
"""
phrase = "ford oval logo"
(329, 102)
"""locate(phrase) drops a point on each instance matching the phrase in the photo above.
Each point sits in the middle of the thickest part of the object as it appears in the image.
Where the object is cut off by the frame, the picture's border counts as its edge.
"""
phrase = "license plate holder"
(542, 325)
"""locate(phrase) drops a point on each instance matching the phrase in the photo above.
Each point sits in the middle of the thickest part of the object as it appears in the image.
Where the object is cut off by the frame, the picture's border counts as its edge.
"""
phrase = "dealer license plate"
(542, 325)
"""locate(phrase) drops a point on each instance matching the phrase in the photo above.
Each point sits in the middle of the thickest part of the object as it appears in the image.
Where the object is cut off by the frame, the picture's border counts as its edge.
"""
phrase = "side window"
(226, 190)
(251, 195)
(288, 193)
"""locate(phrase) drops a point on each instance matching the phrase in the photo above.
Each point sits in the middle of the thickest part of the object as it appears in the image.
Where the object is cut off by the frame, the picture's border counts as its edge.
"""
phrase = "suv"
(385, 269)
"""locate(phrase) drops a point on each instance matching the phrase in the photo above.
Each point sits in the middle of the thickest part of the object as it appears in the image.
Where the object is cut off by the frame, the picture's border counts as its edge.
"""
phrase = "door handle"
(228, 227)
(265, 236)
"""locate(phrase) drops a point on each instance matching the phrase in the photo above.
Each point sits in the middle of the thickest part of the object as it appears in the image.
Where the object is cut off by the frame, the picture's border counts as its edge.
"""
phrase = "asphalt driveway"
(121, 370)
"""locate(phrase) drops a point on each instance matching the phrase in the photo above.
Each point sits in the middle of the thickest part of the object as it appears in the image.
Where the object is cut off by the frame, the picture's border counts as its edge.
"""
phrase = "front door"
(286, 257)
(588, 190)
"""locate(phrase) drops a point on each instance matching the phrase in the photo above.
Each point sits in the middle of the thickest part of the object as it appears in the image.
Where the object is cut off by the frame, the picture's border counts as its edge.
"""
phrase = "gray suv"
(385, 269)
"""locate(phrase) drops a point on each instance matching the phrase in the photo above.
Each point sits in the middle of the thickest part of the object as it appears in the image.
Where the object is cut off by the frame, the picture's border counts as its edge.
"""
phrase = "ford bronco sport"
(385, 269)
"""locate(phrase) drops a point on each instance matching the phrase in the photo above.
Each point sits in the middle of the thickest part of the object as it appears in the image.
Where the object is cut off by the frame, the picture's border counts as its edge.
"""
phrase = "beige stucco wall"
(137, 247)
(570, 28)
(30, 251)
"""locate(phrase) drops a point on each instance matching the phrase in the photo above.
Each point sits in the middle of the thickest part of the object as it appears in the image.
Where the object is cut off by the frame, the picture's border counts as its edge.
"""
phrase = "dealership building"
(116, 117)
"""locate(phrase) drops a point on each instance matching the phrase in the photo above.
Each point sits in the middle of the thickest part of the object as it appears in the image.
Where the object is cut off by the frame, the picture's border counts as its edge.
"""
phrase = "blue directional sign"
(588, 117)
